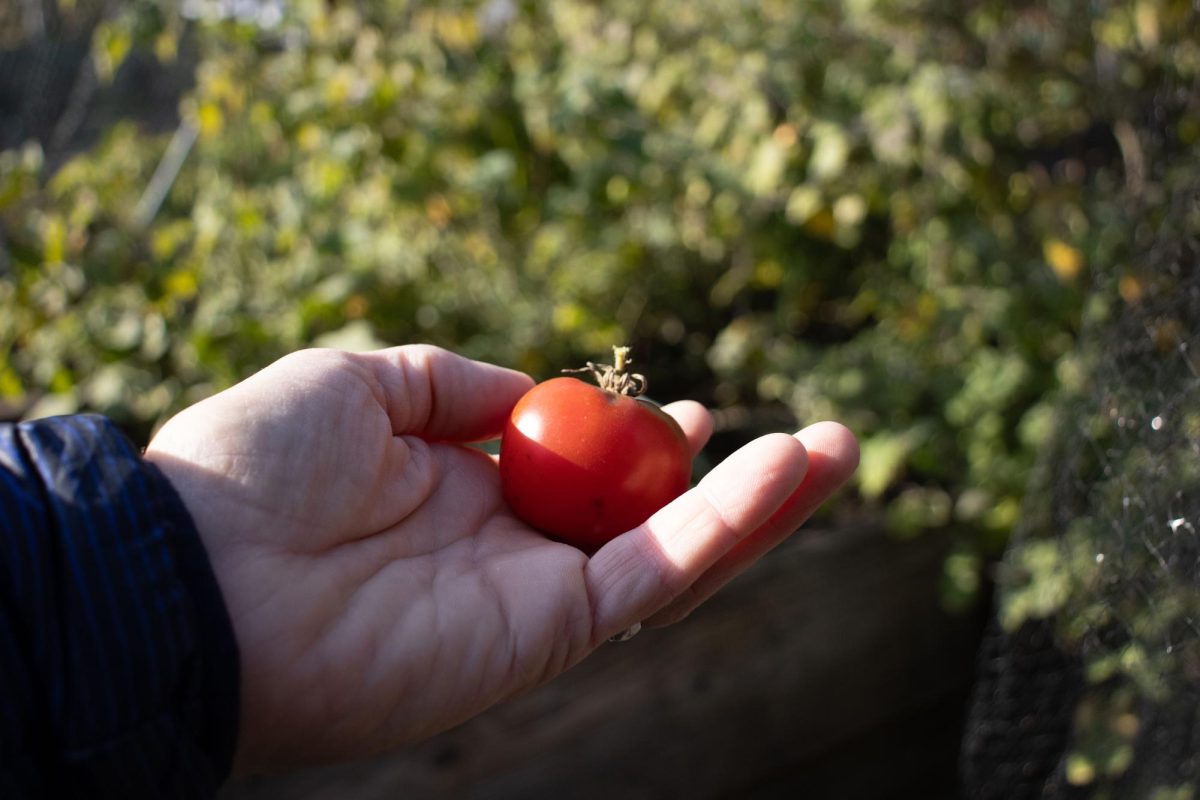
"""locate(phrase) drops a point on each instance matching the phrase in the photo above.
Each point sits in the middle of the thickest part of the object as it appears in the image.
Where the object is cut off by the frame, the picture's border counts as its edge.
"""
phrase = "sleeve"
(118, 663)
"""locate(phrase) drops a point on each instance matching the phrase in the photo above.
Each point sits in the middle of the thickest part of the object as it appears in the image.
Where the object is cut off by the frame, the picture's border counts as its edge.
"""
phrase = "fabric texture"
(117, 657)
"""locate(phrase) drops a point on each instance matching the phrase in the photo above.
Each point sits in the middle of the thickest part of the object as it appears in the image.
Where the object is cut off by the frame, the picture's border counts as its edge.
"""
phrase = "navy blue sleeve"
(118, 664)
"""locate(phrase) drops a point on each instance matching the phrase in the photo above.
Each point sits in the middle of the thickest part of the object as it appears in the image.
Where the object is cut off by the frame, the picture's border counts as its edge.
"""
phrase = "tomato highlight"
(584, 464)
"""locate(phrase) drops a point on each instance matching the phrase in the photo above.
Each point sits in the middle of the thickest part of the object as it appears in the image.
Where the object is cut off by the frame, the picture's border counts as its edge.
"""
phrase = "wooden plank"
(817, 656)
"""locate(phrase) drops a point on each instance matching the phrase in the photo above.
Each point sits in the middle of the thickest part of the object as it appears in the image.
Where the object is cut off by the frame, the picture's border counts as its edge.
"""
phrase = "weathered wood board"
(829, 670)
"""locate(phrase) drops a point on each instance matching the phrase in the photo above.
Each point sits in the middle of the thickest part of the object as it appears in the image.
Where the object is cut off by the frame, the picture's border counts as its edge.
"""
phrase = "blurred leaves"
(881, 212)
(888, 213)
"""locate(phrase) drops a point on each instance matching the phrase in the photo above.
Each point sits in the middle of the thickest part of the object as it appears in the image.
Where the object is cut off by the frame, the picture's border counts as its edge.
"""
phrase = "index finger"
(642, 571)
(832, 459)
(440, 395)
(695, 420)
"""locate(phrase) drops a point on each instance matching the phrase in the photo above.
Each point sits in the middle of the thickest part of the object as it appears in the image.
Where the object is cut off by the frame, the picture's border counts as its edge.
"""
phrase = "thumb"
(439, 395)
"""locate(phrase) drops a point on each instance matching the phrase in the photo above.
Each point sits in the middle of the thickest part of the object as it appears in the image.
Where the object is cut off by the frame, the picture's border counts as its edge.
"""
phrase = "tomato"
(584, 464)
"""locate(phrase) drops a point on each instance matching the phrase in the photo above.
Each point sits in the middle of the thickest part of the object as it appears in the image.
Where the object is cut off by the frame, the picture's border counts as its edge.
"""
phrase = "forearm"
(117, 659)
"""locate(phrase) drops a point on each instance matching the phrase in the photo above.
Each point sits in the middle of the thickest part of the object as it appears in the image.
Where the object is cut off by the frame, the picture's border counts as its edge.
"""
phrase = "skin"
(380, 590)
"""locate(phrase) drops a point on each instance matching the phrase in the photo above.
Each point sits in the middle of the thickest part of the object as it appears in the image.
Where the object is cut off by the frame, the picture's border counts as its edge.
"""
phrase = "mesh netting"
(1089, 684)
(51, 92)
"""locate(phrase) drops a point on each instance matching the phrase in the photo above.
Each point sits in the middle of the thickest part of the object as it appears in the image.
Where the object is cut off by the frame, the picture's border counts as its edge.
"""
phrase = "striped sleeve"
(118, 665)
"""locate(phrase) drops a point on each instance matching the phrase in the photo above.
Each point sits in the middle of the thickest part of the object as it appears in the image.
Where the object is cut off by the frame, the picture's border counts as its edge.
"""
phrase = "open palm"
(379, 588)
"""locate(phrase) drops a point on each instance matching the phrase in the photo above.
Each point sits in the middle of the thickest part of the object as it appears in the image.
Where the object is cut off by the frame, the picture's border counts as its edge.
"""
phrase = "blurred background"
(968, 230)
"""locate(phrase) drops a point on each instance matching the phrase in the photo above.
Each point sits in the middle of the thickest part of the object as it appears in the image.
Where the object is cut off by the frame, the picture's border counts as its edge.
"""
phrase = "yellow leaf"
(1065, 260)
(821, 225)
(10, 384)
(309, 137)
(1080, 771)
(458, 31)
(112, 45)
(181, 284)
(166, 46)
(1131, 289)
(340, 87)
(568, 317)
(1146, 20)
(166, 240)
(768, 274)
(617, 189)
(210, 120)
(54, 240)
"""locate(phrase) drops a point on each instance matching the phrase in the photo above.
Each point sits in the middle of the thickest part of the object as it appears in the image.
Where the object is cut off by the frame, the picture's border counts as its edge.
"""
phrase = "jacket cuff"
(133, 654)
(214, 712)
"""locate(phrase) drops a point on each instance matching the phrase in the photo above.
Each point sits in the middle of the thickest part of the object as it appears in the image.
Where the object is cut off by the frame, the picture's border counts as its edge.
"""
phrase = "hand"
(380, 590)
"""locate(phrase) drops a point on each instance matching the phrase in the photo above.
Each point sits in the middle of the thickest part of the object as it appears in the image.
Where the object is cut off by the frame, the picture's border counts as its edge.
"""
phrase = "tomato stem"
(614, 377)
(620, 358)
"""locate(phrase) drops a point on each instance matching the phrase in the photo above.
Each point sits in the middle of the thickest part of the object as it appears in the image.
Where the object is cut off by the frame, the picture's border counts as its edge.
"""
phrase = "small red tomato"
(584, 464)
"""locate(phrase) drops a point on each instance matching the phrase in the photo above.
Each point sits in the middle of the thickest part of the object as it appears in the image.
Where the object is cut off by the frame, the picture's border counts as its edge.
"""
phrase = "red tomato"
(583, 464)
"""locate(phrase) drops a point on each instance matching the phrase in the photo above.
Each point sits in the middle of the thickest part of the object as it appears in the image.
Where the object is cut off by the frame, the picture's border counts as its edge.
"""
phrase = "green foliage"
(883, 212)
(887, 212)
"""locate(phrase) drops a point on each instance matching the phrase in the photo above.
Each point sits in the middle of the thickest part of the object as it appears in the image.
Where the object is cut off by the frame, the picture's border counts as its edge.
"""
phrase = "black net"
(47, 81)
(1021, 713)
(1089, 684)
(54, 88)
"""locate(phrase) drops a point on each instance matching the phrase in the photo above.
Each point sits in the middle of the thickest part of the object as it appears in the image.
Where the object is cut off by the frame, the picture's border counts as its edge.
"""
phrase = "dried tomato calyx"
(614, 377)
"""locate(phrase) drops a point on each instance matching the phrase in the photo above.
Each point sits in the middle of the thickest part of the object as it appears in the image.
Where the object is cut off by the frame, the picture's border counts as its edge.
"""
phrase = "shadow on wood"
(828, 670)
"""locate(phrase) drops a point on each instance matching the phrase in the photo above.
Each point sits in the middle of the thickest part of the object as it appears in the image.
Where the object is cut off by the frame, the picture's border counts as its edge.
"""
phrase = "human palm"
(379, 588)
